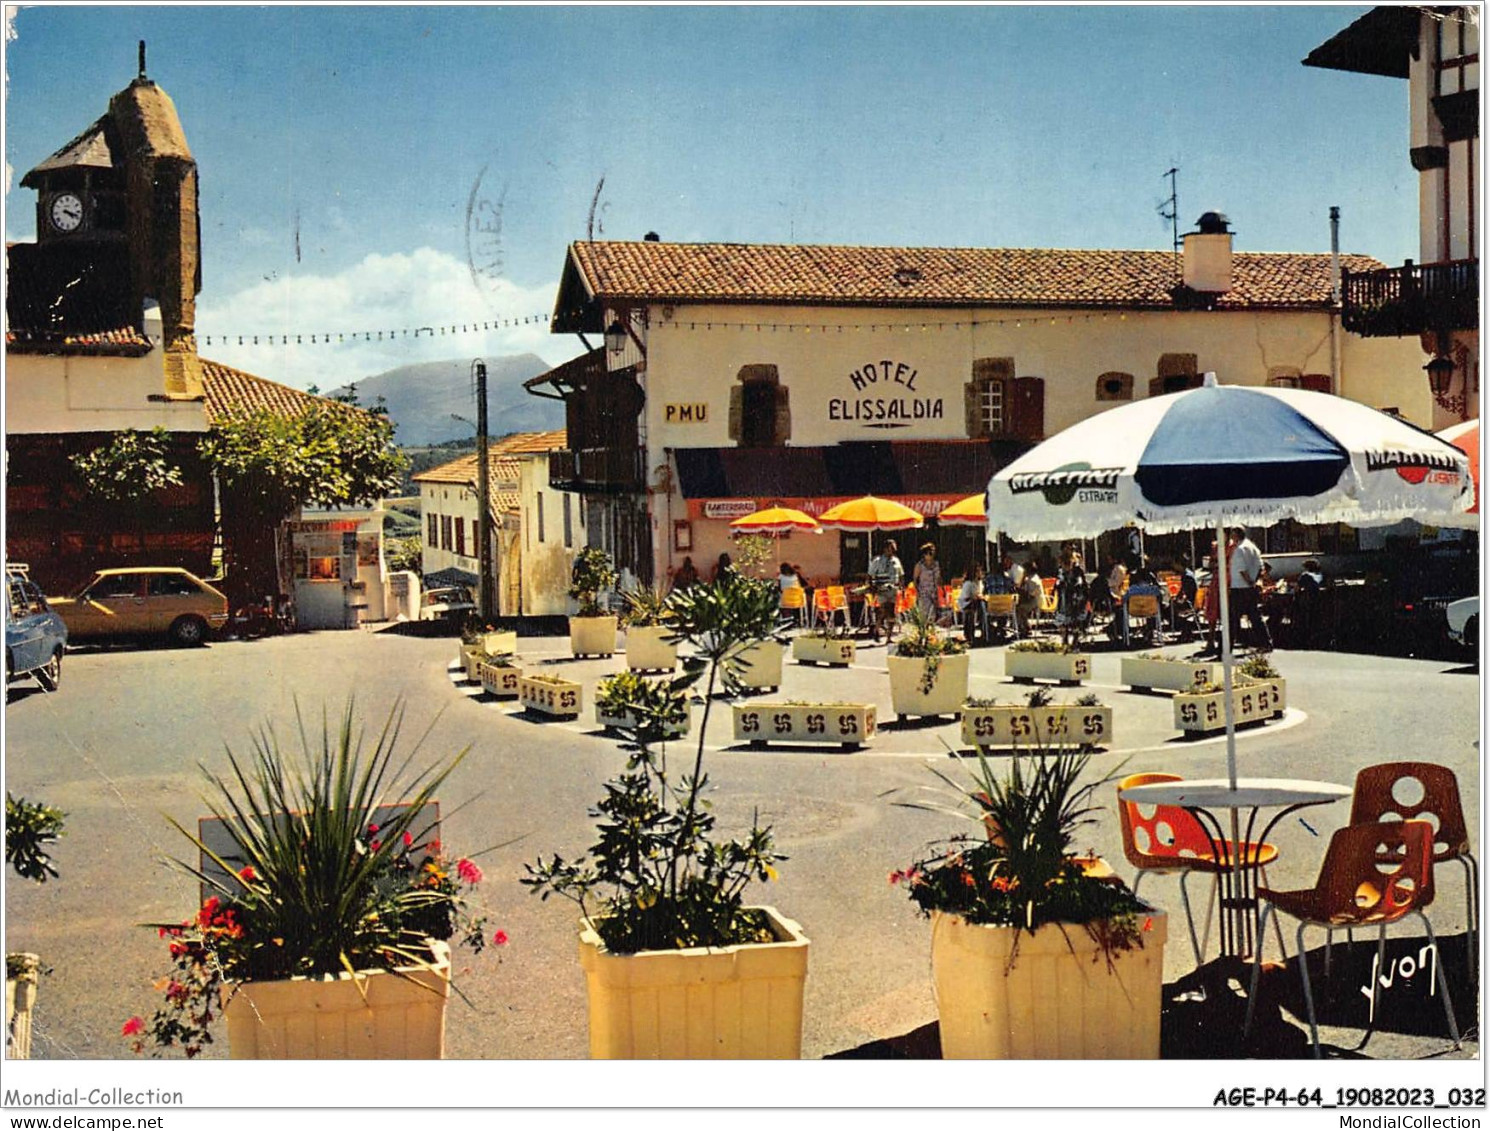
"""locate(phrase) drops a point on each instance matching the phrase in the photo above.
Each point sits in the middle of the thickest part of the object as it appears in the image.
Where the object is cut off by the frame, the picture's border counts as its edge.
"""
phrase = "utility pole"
(483, 496)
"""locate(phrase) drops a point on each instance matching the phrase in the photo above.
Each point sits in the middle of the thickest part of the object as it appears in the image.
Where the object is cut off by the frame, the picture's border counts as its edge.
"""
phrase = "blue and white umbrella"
(1222, 454)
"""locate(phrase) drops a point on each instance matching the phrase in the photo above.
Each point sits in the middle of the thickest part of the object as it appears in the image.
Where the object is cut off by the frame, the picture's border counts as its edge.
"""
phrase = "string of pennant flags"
(341, 337)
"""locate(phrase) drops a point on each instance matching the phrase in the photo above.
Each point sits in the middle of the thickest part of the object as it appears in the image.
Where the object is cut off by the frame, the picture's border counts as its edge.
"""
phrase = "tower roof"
(141, 122)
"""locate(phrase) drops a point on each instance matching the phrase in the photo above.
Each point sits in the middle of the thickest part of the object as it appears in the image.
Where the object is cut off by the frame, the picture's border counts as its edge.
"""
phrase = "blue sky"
(363, 130)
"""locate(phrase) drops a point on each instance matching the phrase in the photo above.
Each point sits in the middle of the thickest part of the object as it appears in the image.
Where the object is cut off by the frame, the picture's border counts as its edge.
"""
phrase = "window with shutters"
(986, 397)
(432, 535)
(460, 536)
(991, 407)
(446, 541)
(568, 524)
(760, 413)
(1115, 387)
(540, 516)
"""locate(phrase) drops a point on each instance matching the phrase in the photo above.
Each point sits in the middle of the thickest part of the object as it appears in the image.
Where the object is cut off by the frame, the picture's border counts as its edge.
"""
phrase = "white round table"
(1204, 798)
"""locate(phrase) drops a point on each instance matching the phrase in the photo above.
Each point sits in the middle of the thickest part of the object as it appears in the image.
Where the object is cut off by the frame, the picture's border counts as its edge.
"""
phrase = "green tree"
(130, 466)
(327, 455)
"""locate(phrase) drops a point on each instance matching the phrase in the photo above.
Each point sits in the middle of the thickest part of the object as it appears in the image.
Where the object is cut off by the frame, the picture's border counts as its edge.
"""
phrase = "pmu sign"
(692, 413)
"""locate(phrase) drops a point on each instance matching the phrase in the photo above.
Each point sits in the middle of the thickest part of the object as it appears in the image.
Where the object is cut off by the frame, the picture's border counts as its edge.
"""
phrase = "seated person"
(971, 608)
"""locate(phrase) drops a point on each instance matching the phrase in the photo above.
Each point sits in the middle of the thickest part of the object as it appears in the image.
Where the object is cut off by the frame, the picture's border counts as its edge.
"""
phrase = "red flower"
(500, 938)
(1148, 924)
(895, 877)
(377, 844)
(372, 828)
(468, 871)
(408, 840)
(248, 875)
(433, 848)
(132, 1026)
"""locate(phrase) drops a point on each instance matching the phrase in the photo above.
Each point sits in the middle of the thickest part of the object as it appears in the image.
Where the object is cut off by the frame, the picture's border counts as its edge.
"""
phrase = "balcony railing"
(1411, 299)
(597, 470)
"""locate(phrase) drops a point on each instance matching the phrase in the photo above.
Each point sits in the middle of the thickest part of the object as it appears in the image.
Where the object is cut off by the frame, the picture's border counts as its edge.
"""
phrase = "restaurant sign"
(928, 506)
(729, 508)
(885, 396)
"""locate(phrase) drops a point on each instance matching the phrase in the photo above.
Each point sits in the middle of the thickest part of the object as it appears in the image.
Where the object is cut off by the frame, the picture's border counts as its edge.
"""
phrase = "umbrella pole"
(1222, 579)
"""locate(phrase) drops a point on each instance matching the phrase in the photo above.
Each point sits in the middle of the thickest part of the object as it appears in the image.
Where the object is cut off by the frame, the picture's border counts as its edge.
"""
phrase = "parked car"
(35, 636)
(1464, 622)
(452, 602)
(144, 601)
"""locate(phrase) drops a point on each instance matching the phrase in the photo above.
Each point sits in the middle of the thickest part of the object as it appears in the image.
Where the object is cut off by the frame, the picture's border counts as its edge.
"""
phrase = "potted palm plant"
(1036, 952)
(649, 642)
(592, 631)
(928, 671)
(677, 964)
(326, 931)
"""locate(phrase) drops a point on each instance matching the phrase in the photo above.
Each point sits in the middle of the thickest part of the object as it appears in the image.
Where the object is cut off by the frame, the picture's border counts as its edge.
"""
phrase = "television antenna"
(1170, 210)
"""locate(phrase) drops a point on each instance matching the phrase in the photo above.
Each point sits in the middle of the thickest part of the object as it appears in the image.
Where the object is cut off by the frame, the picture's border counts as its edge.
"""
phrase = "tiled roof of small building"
(922, 276)
(125, 340)
(502, 466)
(234, 393)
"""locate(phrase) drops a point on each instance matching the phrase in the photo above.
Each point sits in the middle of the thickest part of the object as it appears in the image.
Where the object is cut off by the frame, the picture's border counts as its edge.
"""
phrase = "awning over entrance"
(885, 468)
(924, 474)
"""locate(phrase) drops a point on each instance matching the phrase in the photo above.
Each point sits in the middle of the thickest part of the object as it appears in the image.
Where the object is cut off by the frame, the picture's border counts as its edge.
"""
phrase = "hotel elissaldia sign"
(885, 396)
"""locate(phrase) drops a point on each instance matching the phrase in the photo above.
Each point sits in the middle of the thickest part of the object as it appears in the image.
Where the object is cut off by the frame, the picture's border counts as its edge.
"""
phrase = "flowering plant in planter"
(1019, 870)
(922, 639)
(314, 885)
(1046, 645)
(655, 879)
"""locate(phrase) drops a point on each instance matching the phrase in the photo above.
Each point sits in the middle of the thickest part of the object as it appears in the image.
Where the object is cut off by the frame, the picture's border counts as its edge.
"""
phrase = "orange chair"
(1142, 607)
(822, 606)
(1171, 840)
(906, 601)
(1376, 798)
(794, 604)
(1373, 875)
(1001, 608)
(838, 602)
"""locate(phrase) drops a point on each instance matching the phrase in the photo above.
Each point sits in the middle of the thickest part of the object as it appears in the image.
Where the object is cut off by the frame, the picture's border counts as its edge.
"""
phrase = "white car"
(1464, 621)
(451, 602)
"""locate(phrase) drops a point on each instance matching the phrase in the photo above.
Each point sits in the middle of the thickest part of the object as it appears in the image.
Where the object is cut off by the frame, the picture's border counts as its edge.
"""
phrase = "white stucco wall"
(547, 558)
(46, 393)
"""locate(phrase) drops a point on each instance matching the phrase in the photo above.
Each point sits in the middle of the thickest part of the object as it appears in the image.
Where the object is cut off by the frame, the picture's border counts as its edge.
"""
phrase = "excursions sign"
(890, 398)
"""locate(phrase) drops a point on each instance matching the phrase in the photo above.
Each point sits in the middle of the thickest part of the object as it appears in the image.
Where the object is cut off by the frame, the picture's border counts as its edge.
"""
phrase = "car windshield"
(454, 596)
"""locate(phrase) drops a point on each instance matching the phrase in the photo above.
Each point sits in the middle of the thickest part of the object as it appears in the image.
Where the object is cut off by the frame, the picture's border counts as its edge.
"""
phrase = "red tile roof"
(923, 276)
(127, 341)
(502, 467)
(232, 393)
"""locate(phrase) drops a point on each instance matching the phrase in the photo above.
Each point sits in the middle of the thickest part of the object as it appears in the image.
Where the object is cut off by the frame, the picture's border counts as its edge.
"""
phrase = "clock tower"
(117, 226)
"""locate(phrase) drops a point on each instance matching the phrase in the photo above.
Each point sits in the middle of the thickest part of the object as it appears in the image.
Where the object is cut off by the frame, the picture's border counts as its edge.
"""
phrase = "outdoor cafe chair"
(1172, 840)
(1001, 608)
(794, 604)
(1379, 796)
(1143, 607)
(822, 605)
(1373, 875)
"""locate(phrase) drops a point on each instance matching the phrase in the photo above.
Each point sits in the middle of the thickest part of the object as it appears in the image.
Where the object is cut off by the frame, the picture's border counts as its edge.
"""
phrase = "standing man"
(886, 575)
(1246, 568)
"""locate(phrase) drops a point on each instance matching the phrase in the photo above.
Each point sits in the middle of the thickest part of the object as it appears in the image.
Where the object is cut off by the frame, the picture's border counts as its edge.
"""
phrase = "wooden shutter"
(1178, 364)
(1317, 382)
(736, 411)
(1025, 408)
(1156, 386)
(783, 431)
(972, 408)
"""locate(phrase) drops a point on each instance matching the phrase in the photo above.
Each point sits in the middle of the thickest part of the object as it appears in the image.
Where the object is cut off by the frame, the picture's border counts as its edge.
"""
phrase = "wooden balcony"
(1412, 299)
(597, 470)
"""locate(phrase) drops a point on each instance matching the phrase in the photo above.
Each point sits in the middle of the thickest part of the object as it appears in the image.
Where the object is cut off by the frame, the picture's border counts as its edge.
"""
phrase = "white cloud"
(425, 290)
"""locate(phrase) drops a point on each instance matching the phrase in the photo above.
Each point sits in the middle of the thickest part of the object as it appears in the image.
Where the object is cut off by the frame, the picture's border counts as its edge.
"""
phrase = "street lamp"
(486, 587)
(1440, 375)
(615, 337)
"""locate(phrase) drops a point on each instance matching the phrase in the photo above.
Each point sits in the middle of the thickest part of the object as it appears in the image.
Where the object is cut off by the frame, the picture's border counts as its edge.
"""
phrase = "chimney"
(1207, 266)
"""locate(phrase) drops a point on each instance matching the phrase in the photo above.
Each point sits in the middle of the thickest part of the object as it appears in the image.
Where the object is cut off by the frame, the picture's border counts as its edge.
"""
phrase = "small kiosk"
(338, 569)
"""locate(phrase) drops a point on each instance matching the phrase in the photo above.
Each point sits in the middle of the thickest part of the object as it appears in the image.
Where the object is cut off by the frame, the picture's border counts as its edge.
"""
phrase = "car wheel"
(188, 631)
(1472, 634)
(49, 675)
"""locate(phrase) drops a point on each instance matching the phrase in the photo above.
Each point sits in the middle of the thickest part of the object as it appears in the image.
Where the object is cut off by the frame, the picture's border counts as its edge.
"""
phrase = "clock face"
(66, 212)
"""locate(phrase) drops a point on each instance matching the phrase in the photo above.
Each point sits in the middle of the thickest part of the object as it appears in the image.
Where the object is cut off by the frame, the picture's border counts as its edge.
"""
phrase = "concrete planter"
(1063, 667)
(379, 1015)
(702, 1003)
(500, 679)
(649, 650)
(1044, 728)
(21, 972)
(626, 720)
(1168, 675)
(836, 651)
(561, 698)
(592, 636)
(1059, 999)
(948, 688)
(1250, 703)
(500, 643)
(848, 724)
(472, 656)
(760, 665)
